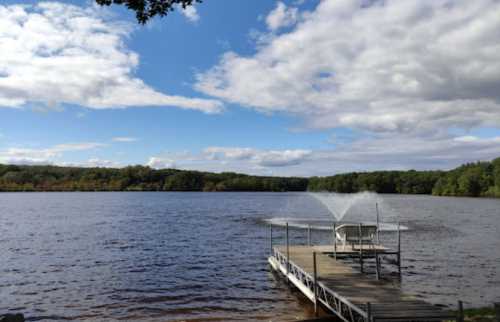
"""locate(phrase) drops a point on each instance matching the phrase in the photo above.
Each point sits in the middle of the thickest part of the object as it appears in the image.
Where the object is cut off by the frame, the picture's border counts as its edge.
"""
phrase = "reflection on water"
(200, 256)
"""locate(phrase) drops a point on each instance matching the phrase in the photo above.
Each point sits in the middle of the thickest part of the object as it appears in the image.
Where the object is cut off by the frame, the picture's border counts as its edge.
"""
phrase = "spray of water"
(301, 211)
(339, 204)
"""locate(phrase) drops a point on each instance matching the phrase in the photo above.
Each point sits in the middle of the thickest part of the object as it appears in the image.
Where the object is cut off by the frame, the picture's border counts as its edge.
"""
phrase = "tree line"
(471, 179)
(479, 179)
(136, 178)
(408, 182)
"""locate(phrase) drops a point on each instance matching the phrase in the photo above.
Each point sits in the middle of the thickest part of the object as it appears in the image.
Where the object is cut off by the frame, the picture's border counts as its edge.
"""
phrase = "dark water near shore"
(202, 256)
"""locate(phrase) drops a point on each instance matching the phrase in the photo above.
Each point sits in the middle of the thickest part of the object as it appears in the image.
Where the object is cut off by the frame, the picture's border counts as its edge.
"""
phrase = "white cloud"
(281, 16)
(55, 53)
(190, 13)
(264, 158)
(236, 159)
(282, 158)
(368, 154)
(467, 138)
(100, 163)
(44, 155)
(216, 153)
(402, 153)
(124, 139)
(161, 163)
(403, 67)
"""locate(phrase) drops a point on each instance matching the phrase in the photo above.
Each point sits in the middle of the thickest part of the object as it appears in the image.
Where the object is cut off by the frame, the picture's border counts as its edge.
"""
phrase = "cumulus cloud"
(55, 53)
(402, 153)
(90, 163)
(366, 154)
(161, 163)
(403, 67)
(124, 139)
(236, 159)
(264, 158)
(100, 163)
(216, 153)
(282, 158)
(281, 16)
(190, 13)
(44, 155)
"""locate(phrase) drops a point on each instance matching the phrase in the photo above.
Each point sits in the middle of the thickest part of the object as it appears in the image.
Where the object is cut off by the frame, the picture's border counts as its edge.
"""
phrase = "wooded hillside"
(472, 179)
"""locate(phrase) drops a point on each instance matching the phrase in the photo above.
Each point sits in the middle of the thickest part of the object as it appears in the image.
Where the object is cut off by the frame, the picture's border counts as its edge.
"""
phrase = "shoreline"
(248, 191)
(483, 314)
(477, 314)
(480, 179)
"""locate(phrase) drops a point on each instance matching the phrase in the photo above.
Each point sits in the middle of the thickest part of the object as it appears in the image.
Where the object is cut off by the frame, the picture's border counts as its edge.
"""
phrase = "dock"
(325, 277)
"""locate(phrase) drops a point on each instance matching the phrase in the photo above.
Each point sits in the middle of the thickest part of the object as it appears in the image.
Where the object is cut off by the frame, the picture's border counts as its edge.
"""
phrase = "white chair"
(350, 234)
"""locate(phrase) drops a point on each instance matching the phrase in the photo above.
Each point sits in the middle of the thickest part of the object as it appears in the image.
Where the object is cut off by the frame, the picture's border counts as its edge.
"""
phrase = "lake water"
(202, 256)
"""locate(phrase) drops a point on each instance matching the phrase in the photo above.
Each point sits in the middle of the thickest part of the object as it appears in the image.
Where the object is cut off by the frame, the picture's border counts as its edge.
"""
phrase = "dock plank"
(386, 299)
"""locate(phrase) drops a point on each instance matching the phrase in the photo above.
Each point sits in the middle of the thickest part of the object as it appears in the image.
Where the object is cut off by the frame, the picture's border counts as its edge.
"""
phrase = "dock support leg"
(460, 312)
(335, 241)
(287, 253)
(315, 285)
(271, 238)
(368, 312)
(399, 250)
(309, 235)
(377, 265)
(360, 248)
(333, 234)
(378, 224)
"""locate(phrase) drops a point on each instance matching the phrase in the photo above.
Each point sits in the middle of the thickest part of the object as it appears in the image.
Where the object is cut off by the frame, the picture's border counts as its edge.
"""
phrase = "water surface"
(202, 256)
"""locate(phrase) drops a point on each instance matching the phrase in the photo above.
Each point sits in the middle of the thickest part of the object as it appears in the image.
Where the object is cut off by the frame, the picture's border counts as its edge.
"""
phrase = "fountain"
(361, 207)
(339, 204)
(301, 211)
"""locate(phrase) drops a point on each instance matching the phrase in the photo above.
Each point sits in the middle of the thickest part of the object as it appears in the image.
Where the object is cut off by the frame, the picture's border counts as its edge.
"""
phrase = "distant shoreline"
(236, 192)
(480, 179)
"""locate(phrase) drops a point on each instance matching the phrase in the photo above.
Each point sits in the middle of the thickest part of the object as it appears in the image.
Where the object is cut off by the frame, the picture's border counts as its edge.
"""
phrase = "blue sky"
(264, 87)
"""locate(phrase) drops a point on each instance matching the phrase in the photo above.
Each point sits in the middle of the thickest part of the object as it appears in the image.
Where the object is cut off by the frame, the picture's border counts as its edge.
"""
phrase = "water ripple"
(202, 256)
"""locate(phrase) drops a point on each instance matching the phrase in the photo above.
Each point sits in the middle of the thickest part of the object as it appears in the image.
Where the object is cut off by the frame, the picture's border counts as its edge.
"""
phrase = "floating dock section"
(322, 275)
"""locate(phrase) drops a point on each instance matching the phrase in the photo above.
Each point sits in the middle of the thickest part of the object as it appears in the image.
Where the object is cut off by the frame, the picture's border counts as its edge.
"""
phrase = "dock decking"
(347, 292)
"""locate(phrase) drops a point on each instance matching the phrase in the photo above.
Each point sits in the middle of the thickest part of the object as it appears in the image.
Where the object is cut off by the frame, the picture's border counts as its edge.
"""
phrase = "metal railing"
(343, 308)
(319, 293)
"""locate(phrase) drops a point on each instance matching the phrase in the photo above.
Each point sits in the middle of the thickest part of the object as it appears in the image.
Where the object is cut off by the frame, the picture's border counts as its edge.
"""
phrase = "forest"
(136, 178)
(479, 179)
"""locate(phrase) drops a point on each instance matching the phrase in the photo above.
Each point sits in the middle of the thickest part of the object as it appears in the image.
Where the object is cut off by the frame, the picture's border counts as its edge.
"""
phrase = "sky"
(290, 88)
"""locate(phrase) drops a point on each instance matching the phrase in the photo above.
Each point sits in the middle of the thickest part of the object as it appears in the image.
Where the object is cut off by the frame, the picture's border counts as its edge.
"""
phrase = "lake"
(164, 256)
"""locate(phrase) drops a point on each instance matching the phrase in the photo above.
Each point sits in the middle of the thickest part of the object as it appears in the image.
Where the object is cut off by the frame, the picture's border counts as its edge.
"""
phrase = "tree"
(147, 9)
(184, 181)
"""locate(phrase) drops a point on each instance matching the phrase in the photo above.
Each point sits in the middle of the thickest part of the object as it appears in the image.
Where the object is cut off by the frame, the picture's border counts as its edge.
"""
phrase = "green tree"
(184, 181)
(147, 9)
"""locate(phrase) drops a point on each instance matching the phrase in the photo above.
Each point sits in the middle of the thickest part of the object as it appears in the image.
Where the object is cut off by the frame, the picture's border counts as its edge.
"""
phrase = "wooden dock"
(348, 292)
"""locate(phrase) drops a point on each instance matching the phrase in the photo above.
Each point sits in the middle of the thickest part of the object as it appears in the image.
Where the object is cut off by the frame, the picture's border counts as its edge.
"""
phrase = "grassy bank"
(484, 314)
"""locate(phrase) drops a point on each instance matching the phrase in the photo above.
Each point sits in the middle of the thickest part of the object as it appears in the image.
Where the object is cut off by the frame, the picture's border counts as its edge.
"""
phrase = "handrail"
(310, 284)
